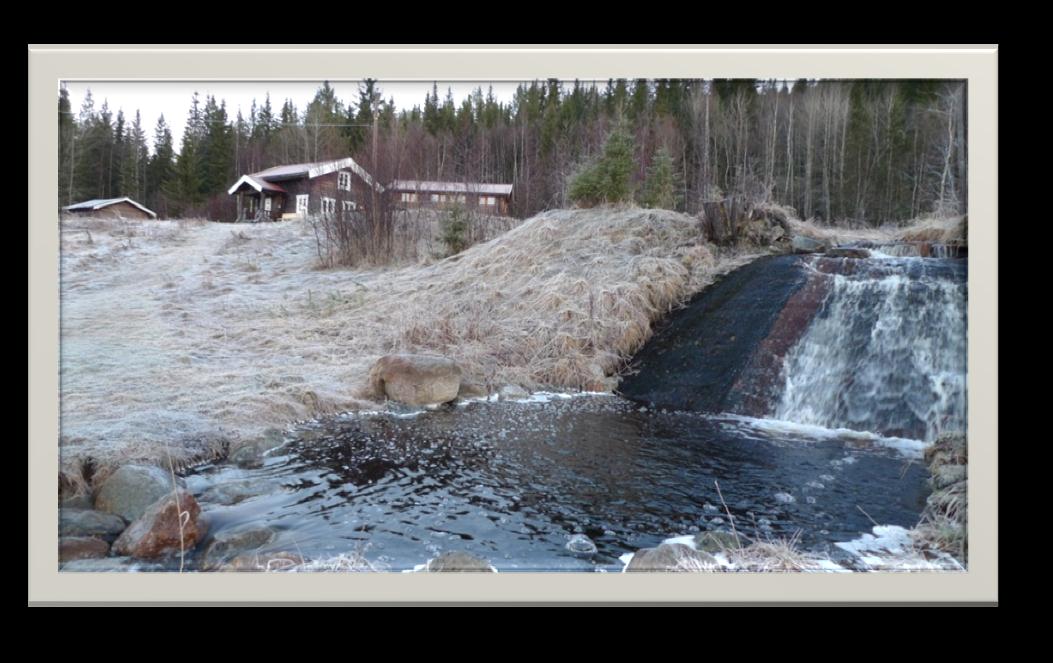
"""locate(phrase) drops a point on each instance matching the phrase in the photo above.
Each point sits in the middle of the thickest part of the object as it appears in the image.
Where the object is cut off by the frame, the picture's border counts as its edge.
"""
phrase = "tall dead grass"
(560, 301)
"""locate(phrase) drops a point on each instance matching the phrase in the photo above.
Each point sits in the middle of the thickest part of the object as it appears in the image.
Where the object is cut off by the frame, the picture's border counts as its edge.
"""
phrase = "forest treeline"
(853, 151)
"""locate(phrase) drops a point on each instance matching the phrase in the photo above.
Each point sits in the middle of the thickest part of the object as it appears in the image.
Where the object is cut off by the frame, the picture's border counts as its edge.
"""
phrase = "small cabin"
(491, 199)
(321, 188)
(110, 208)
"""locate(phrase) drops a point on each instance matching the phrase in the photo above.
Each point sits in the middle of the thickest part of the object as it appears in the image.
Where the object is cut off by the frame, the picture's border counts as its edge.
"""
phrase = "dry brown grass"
(943, 230)
(184, 343)
(769, 556)
(944, 522)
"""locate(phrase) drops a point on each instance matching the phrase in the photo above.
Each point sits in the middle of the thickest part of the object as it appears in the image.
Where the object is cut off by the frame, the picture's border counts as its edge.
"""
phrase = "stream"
(807, 387)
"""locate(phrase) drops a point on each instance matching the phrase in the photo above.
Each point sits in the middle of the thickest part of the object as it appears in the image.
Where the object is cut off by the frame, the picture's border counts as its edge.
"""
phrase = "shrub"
(660, 188)
(454, 227)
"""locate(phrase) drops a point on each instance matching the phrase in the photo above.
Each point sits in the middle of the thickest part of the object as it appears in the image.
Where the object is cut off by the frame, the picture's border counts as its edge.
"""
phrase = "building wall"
(471, 200)
(325, 186)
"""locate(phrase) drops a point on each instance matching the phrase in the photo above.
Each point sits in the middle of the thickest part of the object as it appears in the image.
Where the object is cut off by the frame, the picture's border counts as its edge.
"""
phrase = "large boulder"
(86, 522)
(131, 489)
(670, 557)
(415, 379)
(157, 532)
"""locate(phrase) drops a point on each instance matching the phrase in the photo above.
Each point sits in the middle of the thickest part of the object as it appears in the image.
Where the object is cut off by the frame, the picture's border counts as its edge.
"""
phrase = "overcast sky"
(172, 99)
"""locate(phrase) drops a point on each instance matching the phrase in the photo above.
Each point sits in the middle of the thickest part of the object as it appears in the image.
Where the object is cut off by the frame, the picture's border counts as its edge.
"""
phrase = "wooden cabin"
(303, 189)
(110, 208)
(493, 199)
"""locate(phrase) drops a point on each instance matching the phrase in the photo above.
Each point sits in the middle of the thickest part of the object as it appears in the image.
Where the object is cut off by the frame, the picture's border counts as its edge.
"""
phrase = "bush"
(660, 188)
(454, 227)
(607, 180)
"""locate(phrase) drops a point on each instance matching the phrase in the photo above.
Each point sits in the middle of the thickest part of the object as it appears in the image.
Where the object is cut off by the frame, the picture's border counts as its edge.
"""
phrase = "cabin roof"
(453, 187)
(312, 170)
(257, 183)
(99, 203)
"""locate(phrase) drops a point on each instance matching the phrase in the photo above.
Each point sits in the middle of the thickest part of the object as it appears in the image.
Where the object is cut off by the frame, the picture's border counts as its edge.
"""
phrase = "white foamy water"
(886, 353)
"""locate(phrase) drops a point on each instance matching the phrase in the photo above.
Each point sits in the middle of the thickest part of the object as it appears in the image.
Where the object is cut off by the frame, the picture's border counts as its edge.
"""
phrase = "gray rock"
(805, 244)
(670, 557)
(459, 561)
(415, 379)
(86, 522)
(82, 547)
(714, 542)
(77, 501)
(229, 544)
(131, 489)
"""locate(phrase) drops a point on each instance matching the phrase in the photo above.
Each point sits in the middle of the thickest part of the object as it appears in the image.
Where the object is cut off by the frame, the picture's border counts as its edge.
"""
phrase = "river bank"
(185, 342)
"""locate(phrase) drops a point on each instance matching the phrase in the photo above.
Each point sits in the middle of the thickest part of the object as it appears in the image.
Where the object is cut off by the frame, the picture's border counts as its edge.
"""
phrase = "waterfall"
(885, 353)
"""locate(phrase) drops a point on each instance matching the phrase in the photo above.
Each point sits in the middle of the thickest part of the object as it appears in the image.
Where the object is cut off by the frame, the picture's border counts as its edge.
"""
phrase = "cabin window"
(344, 181)
(489, 201)
(348, 207)
(267, 204)
(301, 204)
(461, 198)
(409, 197)
(328, 207)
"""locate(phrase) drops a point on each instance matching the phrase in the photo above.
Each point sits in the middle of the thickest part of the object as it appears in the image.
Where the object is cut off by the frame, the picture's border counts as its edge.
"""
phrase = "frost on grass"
(189, 334)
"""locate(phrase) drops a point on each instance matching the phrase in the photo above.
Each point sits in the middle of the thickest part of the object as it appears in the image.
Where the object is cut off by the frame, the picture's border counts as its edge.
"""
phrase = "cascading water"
(885, 353)
(741, 401)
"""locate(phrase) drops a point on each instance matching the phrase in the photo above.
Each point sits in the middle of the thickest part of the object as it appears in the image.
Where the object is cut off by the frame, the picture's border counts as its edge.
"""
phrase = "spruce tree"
(609, 179)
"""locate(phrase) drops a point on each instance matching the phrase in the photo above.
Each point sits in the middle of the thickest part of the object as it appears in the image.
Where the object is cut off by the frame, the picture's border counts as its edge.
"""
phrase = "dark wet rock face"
(696, 360)
(837, 342)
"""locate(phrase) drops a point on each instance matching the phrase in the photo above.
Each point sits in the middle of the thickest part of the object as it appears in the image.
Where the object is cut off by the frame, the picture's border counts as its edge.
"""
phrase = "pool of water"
(513, 481)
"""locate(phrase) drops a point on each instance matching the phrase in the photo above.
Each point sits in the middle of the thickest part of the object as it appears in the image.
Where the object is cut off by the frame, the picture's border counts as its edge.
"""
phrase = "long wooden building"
(494, 199)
